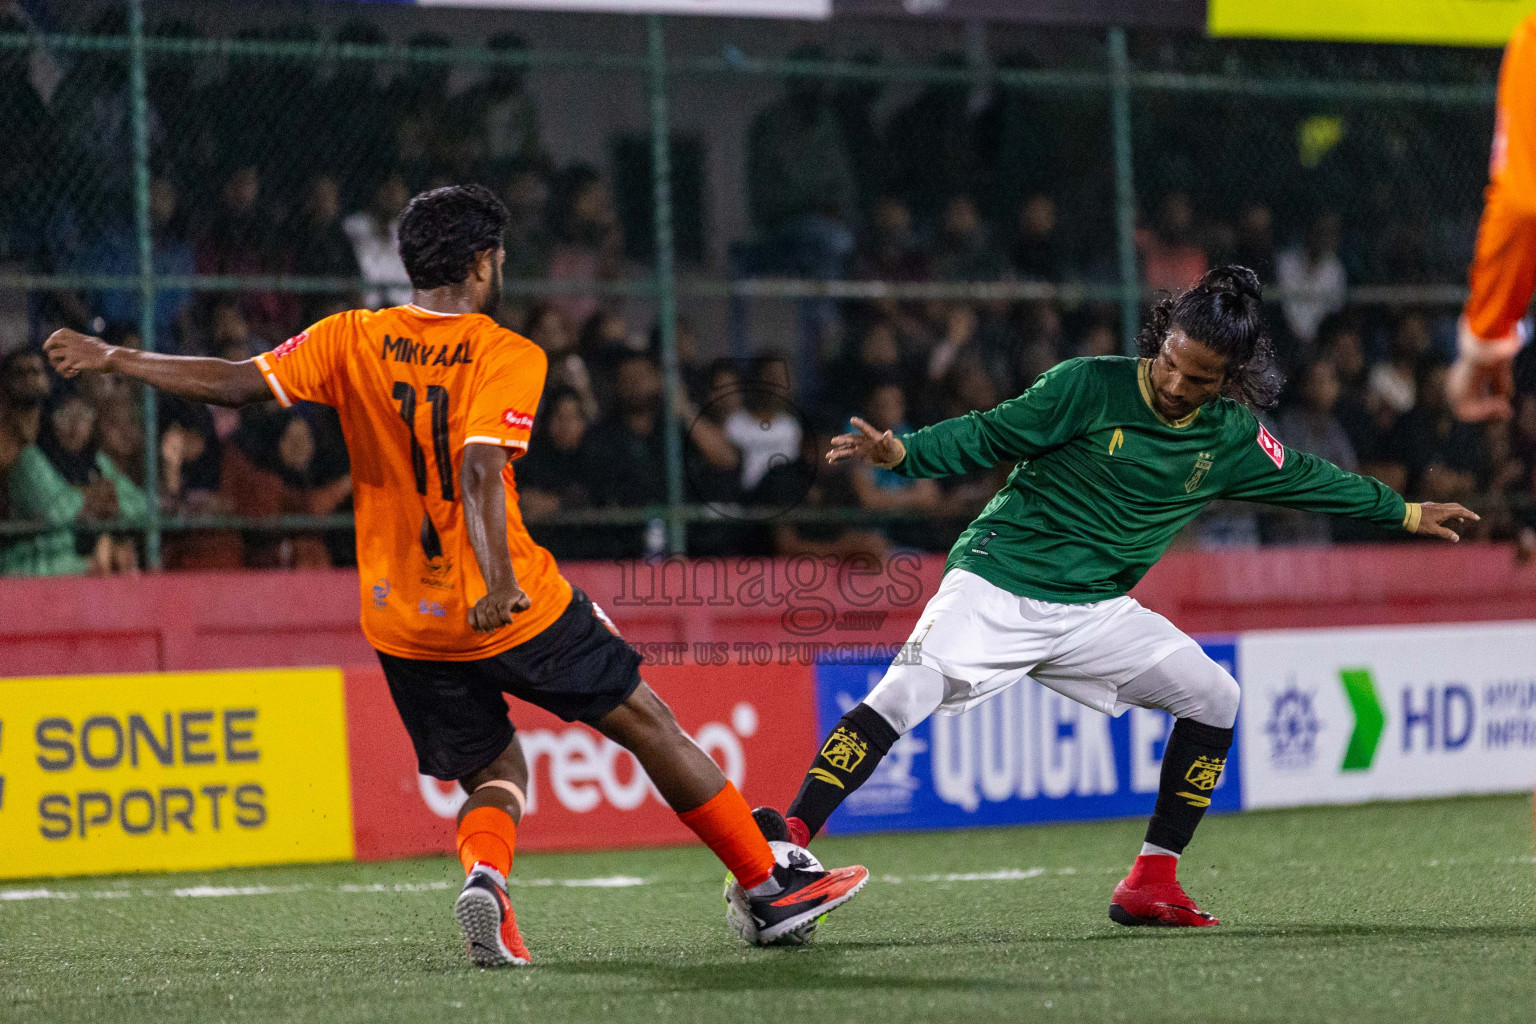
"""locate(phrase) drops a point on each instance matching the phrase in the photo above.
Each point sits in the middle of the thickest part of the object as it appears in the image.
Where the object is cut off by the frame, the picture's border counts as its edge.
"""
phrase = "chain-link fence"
(918, 239)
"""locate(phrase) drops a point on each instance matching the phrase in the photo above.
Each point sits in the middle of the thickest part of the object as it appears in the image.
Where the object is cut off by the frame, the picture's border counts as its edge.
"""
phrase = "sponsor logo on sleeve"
(517, 420)
(287, 347)
(1274, 449)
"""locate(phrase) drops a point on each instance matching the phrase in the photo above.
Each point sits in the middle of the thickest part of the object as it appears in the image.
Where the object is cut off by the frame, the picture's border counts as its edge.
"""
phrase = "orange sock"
(725, 824)
(487, 835)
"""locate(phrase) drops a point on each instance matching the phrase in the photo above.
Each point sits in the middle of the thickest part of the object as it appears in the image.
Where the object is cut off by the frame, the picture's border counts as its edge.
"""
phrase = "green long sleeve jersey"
(1103, 482)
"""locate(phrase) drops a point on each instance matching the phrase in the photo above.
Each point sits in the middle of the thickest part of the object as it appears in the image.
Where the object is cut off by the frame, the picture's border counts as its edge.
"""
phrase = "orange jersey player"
(414, 389)
(1503, 273)
(435, 401)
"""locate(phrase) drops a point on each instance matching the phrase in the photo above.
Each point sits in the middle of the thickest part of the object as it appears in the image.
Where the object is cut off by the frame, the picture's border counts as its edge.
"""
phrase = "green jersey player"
(1112, 456)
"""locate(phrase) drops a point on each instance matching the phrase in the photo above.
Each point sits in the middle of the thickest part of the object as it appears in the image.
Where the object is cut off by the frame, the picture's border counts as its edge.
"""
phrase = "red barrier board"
(187, 621)
(585, 791)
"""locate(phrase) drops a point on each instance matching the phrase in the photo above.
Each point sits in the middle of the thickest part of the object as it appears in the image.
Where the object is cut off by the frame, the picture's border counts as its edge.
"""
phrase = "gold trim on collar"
(1144, 382)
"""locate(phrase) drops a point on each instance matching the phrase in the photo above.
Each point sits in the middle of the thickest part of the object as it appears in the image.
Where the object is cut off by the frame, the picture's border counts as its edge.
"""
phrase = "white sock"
(1148, 849)
(489, 872)
(767, 887)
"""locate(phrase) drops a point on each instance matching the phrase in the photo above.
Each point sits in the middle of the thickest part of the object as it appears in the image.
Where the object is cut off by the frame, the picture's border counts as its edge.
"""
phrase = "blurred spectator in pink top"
(1171, 259)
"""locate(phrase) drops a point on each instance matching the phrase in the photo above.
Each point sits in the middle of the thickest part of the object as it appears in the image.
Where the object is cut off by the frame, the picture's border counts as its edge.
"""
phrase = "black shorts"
(456, 713)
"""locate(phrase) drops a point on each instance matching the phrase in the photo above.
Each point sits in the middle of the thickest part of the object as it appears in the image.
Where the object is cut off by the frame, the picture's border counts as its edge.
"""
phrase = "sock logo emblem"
(844, 749)
(1203, 775)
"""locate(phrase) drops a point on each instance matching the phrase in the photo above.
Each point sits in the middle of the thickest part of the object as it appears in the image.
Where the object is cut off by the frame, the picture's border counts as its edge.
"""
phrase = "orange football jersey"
(1503, 273)
(413, 387)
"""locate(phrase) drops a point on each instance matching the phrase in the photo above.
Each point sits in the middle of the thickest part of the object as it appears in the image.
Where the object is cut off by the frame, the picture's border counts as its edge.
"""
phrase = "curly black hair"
(1221, 312)
(442, 230)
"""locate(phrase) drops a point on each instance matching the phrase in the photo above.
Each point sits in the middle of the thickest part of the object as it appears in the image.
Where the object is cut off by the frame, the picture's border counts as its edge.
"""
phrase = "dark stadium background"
(979, 178)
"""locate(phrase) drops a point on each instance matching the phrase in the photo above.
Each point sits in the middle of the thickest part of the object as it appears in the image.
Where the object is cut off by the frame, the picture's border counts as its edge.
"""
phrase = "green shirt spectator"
(77, 482)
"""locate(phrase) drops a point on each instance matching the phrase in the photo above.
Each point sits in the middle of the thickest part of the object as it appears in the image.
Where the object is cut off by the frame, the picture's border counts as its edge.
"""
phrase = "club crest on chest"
(1202, 466)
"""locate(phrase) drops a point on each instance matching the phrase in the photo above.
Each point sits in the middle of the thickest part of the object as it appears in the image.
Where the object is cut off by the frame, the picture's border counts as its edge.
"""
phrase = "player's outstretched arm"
(1060, 406)
(485, 517)
(216, 381)
(1272, 475)
(1433, 515)
(867, 443)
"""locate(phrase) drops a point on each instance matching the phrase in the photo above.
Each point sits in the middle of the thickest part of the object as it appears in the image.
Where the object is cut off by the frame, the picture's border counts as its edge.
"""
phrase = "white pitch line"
(216, 891)
(610, 882)
(604, 882)
(1005, 875)
(354, 888)
(16, 895)
(36, 894)
(1010, 875)
(237, 890)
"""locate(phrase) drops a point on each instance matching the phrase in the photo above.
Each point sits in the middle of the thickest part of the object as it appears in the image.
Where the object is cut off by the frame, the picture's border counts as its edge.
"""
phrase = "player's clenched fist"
(496, 609)
(71, 352)
(1482, 380)
(880, 449)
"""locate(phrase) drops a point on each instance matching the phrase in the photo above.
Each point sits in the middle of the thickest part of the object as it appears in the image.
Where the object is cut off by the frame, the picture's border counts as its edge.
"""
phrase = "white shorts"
(983, 639)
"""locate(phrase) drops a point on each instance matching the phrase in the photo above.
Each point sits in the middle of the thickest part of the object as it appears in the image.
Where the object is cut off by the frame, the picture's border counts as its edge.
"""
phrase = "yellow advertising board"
(1443, 22)
(172, 771)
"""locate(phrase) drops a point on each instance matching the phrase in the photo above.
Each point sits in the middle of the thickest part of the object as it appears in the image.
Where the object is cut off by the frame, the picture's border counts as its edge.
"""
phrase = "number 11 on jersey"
(437, 398)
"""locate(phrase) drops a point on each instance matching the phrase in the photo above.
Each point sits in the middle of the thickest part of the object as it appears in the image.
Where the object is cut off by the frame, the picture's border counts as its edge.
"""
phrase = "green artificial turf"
(1390, 912)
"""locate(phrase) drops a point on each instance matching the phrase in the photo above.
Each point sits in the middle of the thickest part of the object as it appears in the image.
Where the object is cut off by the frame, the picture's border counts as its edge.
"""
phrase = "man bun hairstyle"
(442, 230)
(1222, 312)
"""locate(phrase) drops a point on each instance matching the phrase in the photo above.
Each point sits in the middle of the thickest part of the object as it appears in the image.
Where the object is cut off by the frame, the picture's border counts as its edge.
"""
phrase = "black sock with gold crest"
(1192, 763)
(847, 759)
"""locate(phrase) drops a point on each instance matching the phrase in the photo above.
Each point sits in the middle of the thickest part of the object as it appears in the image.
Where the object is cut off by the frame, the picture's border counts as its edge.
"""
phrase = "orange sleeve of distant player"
(308, 367)
(507, 396)
(1503, 274)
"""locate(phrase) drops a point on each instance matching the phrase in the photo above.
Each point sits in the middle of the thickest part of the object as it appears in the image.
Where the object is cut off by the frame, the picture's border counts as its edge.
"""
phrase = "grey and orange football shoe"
(485, 917)
(806, 895)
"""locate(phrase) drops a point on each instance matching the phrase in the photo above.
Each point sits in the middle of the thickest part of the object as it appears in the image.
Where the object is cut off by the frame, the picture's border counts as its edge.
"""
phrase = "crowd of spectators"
(249, 180)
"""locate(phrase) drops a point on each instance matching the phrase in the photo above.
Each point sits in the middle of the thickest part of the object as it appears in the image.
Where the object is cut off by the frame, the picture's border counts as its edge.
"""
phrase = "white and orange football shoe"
(485, 916)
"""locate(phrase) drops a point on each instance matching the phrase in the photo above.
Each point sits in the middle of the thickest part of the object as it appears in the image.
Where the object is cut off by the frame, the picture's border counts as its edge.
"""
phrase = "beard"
(493, 297)
(1173, 408)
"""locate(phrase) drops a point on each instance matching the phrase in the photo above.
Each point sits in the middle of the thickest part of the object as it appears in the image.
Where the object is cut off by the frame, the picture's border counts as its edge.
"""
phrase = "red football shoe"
(799, 832)
(1151, 895)
(490, 928)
